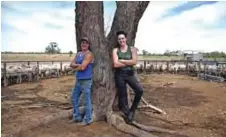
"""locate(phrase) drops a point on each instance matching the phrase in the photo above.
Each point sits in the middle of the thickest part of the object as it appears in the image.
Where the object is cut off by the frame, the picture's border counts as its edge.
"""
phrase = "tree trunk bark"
(90, 23)
(126, 18)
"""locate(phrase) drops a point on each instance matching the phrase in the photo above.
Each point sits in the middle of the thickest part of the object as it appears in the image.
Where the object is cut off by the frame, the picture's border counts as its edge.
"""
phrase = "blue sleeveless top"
(87, 73)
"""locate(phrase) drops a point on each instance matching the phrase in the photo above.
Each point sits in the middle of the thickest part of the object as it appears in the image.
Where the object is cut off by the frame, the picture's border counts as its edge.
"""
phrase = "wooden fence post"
(145, 67)
(5, 78)
(167, 63)
(187, 65)
(61, 65)
(38, 70)
(204, 70)
(199, 66)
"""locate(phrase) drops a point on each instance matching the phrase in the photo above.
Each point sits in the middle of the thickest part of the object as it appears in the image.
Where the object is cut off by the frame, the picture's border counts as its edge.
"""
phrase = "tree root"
(35, 122)
(155, 129)
(113, 119)
(116, 121)
(136, 129)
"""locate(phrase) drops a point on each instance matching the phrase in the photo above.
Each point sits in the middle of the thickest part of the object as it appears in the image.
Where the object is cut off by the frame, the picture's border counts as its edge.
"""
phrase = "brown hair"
(119, 33)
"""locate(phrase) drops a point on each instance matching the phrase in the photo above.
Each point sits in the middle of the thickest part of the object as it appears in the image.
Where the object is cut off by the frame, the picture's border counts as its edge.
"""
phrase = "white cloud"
(37, 36)
(208, 14)
(181, 32)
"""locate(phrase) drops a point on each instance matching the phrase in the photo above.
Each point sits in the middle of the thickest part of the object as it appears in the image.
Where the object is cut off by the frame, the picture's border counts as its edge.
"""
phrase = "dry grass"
(32, 57)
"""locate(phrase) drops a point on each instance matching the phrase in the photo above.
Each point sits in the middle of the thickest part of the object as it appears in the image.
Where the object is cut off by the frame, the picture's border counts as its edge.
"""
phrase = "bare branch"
(152, 107)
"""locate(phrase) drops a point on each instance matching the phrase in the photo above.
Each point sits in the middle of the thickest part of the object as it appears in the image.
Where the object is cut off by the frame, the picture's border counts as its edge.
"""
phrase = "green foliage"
(144, 52)
(52, 48)
(214, 54)
(167, 53)
(70, 53)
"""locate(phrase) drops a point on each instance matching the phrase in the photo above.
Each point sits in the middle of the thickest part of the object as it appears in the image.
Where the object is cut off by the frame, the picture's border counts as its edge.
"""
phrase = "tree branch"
(127, 22)
(152, 107)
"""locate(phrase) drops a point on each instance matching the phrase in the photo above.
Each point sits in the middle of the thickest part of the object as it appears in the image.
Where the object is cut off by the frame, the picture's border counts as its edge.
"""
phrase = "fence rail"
(143, 62)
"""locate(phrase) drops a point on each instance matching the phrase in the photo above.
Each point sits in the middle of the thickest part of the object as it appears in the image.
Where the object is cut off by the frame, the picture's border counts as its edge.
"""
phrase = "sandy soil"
(195, 107)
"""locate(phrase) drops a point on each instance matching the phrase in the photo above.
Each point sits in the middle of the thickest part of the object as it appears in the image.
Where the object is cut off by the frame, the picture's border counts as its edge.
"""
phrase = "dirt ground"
(195, 107)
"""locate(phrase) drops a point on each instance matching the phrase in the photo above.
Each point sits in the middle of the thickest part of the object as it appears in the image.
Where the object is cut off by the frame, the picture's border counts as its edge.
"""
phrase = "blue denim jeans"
(82, 86)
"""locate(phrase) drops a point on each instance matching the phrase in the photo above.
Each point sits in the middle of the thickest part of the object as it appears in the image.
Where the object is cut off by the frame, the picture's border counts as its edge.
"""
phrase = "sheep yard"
(56, 57)
(193, 106)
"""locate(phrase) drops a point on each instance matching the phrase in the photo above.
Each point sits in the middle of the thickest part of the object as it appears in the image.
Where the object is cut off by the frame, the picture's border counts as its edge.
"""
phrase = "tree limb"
(152, 107)
(127, 22)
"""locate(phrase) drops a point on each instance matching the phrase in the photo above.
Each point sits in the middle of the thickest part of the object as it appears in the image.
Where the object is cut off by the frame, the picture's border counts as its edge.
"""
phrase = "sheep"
(13, 74)
(163, 68)
(139, 67)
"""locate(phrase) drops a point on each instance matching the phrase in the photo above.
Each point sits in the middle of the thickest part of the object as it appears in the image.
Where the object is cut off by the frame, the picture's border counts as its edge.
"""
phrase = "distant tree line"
(51, 48)
(10, 52)
(166, 53)
(214, 54)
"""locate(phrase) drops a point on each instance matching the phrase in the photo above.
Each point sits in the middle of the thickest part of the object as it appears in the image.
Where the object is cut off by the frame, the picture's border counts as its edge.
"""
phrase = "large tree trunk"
(90, 23)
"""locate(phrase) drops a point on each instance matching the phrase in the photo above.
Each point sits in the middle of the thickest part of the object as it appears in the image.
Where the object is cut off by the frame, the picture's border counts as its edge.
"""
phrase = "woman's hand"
(74, 65)
(121, 60)
(78, 68)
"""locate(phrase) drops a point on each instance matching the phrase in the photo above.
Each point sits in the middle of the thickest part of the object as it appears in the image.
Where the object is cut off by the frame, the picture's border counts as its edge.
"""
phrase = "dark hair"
(121, 32)
(89, 48)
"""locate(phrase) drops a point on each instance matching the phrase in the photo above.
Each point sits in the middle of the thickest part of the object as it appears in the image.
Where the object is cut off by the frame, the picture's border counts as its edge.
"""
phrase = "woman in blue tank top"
(83, 64)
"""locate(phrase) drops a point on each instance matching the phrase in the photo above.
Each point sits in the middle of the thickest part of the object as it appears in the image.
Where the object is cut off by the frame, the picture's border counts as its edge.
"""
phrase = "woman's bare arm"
(116, 63)
(73, 63)
(133, 61)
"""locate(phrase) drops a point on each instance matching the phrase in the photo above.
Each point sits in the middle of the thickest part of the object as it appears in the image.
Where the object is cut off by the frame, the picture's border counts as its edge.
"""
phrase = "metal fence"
(144, 63)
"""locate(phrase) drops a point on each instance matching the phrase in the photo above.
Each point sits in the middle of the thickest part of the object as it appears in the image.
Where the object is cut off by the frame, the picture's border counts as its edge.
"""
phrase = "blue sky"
(30, 26)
